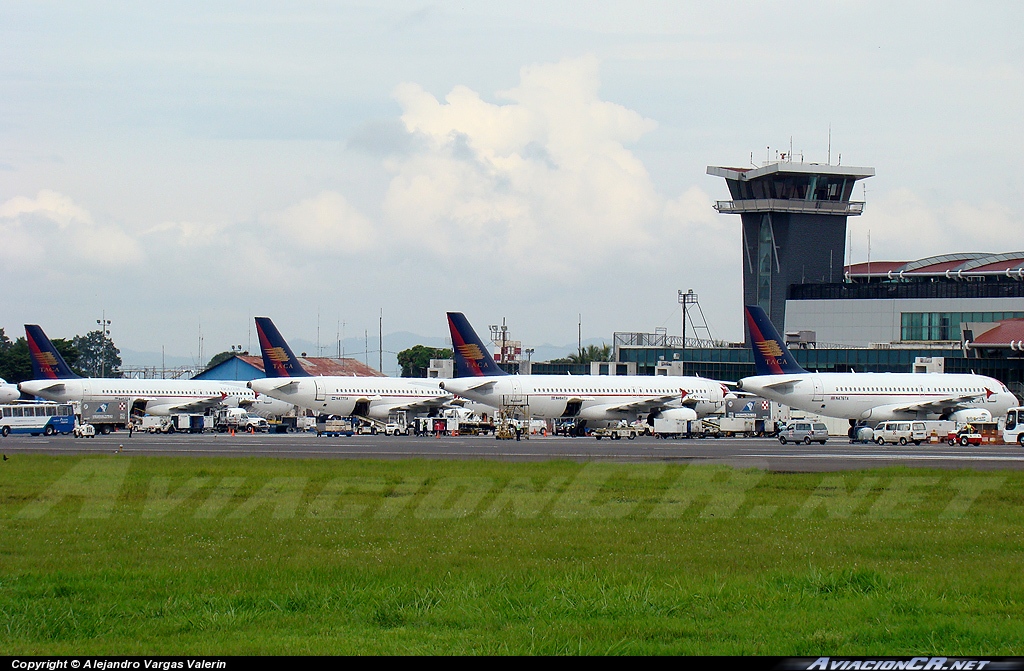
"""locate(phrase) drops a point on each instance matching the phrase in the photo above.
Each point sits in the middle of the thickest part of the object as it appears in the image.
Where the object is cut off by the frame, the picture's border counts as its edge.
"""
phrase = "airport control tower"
(794, 226)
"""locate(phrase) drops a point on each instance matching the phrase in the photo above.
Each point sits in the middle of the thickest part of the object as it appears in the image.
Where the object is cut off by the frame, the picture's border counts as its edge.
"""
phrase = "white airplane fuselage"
(345, 396)
(883, 396)
(159, 397)
(596, 398)
(8, 392)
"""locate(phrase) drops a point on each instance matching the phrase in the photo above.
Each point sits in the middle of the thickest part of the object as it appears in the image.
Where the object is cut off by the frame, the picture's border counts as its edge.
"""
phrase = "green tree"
(9, 369)
(98, 357)
(588, 354)
(415, 360)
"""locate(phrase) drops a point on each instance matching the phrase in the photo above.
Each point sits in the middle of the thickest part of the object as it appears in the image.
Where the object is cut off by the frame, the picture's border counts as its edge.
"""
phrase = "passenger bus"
(1013, 430)
(37, 418)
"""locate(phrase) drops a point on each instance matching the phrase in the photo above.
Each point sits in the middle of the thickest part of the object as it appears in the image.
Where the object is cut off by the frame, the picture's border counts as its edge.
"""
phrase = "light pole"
(503, 332)
(104, 329)
(529, 360)
(686, 299)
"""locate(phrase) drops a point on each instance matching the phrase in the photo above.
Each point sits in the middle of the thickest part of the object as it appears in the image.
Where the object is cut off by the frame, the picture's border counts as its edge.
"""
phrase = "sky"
(344, 167)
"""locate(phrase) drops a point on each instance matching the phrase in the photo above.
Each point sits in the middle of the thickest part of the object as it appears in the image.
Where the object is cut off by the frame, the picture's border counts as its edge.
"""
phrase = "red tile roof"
(324, 366)
(875, 266)
(1008, 331)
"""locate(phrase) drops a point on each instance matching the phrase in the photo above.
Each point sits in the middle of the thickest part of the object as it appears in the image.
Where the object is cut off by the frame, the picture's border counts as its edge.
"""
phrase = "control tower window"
(829, 188)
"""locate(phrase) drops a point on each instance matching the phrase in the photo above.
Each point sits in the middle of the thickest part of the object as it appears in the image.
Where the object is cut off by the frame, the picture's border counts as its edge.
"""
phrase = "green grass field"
(134, 555)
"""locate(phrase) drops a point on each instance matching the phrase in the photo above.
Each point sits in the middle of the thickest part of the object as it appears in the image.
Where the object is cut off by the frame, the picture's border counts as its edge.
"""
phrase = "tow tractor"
(616, 432)
(967, 435)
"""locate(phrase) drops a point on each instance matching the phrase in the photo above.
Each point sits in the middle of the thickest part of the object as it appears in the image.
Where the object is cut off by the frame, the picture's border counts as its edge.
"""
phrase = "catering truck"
(752, 416)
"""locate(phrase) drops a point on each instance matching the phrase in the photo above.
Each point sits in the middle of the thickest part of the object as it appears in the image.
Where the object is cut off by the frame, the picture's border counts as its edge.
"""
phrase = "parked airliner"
(374, 397)
(8, 392)
(588, 399)
(55, 381)
(867, 396)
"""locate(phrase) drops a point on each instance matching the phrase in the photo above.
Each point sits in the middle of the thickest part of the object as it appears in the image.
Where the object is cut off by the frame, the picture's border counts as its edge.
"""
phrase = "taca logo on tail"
(770, 355)
(471, 357)
(278, 359)
(47, 363)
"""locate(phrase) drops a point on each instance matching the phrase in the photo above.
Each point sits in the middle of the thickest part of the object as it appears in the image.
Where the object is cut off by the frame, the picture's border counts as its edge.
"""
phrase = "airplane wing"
(424, 404)
(784, 386)
(193, 406)
(484, 383)
(655, 402)
(289, 387)
(57, 387)
(938, 405)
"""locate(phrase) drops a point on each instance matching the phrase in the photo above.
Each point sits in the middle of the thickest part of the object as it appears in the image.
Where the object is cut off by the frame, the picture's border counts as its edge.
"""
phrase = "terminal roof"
(1005, 332)
(954, 266)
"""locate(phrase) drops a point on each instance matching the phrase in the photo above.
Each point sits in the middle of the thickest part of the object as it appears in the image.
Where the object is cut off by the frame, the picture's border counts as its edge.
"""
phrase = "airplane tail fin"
(278, 359)
(47, 363)
(471, 356)
(771, 357)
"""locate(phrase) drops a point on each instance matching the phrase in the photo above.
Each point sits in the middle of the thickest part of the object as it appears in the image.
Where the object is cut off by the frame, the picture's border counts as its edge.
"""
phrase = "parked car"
(806, 432)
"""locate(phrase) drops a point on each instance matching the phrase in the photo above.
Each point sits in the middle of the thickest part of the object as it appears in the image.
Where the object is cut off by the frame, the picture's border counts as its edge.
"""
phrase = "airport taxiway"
(764, 453)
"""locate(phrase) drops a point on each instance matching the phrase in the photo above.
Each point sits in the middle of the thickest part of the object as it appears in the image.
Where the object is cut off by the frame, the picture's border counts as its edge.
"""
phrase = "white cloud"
(326, 223)
(529, 180)
(276, 252)
(52, 230)
(904, 226)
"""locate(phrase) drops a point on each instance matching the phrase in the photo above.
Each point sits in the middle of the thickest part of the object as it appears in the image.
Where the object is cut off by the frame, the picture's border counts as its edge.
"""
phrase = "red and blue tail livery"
(47, 363)
(771, 356)
(471, 356)
(278, 359)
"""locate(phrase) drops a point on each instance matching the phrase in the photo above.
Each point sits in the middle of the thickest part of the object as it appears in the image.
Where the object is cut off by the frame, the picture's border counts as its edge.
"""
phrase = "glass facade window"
(794, 187)
(732, 363)
(932, 326)
(991, 287)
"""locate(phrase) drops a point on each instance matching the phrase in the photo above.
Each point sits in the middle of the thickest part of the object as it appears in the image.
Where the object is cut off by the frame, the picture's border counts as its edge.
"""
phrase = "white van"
(901, 431)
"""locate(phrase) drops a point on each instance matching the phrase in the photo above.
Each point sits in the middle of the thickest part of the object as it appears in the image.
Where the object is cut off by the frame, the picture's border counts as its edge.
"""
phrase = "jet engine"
(971, 415)
(682, 414)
